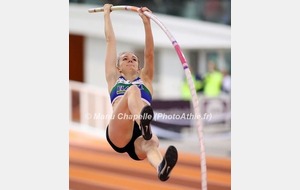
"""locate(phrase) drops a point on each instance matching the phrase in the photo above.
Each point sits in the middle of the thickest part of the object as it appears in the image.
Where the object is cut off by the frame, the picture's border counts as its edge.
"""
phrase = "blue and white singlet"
(122, 85)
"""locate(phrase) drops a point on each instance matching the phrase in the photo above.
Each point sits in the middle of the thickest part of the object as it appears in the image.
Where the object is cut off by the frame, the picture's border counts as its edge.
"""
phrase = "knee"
(133, 90)
(150, 144)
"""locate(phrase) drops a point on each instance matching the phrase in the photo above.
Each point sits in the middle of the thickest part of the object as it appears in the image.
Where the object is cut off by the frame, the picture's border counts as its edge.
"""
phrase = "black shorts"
(129, 148)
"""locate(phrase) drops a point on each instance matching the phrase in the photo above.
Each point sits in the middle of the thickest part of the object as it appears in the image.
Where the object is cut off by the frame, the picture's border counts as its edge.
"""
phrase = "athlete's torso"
(122, 85)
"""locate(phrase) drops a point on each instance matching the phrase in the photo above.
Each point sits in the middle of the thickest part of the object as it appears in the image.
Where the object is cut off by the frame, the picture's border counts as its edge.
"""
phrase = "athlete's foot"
(168, 163)
(146, 118)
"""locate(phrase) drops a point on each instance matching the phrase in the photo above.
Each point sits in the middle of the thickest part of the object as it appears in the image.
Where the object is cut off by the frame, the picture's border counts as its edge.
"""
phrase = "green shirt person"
(212, 81)
(185, 89)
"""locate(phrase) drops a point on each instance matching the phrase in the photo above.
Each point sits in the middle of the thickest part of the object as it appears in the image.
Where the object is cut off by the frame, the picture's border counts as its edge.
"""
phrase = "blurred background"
(203, 30)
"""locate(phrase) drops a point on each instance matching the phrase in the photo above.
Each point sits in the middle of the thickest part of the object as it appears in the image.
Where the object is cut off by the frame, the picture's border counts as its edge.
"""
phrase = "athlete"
(130, 89)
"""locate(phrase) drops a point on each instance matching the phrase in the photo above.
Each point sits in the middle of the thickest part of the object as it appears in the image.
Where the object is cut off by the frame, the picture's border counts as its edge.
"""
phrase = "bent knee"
(150, 144)
(133, 89)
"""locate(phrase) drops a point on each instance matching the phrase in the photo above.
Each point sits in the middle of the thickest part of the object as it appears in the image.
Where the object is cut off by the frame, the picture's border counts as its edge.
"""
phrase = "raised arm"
(148, 70)
(111, 72)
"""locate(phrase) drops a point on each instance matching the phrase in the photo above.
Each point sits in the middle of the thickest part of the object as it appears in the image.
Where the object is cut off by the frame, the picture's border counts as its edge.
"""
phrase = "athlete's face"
(128, 62)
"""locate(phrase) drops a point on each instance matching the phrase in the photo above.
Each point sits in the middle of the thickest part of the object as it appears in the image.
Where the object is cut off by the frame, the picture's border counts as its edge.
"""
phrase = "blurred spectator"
(185, 89)
(212, 10)
(226, 83)
(212, 80)
(217, 11)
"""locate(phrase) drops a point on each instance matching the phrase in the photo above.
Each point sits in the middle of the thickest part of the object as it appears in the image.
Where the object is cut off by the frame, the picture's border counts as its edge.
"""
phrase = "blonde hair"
(122, 53)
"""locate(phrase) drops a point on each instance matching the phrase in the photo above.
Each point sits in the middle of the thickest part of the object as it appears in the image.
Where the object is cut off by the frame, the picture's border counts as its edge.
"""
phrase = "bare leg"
(120, 132)
(120, 128)
(149, 149)
(163, 165)
(135, 103)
